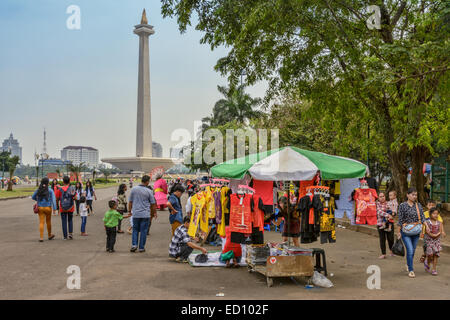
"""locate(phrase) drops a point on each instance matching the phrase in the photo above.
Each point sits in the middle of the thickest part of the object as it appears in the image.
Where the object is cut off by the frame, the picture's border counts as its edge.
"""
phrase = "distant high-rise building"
(157, 150)
(79, 154)
(12, 145)
(176, 153)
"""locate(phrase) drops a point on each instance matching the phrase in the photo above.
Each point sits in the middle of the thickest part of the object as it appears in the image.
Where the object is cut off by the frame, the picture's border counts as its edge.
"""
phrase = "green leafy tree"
(12, 163)
(106, 172)
(394, 77)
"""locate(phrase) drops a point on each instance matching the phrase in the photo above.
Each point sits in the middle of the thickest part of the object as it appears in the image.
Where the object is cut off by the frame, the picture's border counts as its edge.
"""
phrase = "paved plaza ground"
(33, 270)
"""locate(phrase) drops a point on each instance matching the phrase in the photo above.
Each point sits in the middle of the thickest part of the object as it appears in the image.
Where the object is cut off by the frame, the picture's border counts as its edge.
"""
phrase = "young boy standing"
(111, 220)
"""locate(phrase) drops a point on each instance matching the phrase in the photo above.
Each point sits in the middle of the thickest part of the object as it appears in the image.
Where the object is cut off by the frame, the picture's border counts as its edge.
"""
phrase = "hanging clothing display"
(303, 186)
(327, 220)
(258, 213)
(224, 199)
(217, 205)
(365, 206)
(210, 204)
(241, 208)
(198, 213)
(310, 209)
(264, 189)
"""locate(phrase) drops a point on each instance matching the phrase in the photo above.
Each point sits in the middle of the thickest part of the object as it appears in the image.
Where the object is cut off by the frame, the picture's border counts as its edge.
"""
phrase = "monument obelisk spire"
(144, 123)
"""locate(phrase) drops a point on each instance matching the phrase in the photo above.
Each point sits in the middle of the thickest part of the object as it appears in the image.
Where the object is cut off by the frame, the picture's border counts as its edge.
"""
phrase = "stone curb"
(12, 198)
(374, 232)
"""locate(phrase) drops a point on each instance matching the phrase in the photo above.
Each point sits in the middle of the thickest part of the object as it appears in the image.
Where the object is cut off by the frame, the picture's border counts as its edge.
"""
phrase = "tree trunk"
(418, 156)
(10, 183)
(397, 160)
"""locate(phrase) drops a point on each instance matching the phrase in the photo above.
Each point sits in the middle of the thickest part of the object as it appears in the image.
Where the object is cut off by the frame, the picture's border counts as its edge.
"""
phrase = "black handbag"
(398, 248)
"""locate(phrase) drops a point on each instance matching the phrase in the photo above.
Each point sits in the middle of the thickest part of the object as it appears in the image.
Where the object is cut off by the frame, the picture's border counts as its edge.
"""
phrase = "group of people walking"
(63, 200)
(413, 223)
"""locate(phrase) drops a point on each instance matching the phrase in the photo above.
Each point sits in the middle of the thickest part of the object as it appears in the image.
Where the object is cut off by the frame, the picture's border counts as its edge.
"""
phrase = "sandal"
(434, 273)
(427, 267)
(51, 237)
(422, 258)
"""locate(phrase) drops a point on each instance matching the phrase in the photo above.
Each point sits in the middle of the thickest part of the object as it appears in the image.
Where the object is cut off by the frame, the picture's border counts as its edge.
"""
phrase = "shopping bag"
(398, 248)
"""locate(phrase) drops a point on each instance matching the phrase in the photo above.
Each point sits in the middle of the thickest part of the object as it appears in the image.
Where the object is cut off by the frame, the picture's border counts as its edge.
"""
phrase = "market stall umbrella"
(290, 163)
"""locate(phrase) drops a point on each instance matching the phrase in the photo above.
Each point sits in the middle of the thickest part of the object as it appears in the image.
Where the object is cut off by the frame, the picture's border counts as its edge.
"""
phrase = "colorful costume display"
(365, 206)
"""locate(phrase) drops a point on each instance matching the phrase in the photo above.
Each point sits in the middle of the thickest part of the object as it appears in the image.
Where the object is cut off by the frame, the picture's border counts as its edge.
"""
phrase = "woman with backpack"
(46, 203)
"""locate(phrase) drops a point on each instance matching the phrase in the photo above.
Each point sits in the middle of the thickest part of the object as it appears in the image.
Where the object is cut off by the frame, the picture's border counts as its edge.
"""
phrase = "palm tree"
(76, 170)
(106, 172)
(236, 105)
(12, 164)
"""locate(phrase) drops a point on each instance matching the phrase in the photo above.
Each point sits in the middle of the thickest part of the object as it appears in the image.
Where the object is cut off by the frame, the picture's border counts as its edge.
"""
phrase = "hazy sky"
(81, 85)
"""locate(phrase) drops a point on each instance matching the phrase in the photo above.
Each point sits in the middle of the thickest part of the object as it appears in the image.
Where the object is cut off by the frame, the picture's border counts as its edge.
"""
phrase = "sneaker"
(434, 273)
(133, 249)
(411, 274)
(64, 238)
(112, 250)
(40, 240)
(382, 256)
(141, 250)
(70, 237)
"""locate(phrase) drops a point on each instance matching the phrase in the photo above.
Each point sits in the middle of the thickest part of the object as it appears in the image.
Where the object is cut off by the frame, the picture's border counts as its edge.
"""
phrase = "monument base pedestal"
(143, 164)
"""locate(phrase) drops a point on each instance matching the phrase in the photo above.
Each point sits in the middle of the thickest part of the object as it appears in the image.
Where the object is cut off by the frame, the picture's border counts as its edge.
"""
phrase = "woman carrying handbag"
(45, 205)
(410, 220)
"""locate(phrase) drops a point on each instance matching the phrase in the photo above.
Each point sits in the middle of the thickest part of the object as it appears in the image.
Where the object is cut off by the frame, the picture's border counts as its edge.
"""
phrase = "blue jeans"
(410, 245)
(140, 225)
(66, 219)
(83, 224)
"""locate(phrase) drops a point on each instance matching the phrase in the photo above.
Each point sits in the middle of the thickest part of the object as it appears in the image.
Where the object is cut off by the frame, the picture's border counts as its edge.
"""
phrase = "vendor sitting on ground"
(182, 246)
(231, 251)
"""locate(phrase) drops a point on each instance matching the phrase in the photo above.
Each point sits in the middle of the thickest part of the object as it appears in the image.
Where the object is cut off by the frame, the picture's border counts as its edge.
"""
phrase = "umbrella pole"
(288, 215)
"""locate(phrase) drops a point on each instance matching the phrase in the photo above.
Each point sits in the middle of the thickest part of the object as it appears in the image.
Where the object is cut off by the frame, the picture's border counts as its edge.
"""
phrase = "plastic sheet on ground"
(213, 260)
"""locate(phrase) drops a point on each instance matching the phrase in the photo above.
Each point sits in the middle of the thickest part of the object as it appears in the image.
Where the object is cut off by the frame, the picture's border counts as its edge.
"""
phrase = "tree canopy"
(394, 78)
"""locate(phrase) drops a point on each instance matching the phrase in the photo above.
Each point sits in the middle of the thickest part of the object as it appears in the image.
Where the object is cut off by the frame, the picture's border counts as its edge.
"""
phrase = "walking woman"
(384, 230)
(121, 204)
(90, 196)
(410, 215)
(78, 194)
(55, 186)
(46, 202)
(160, 189)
